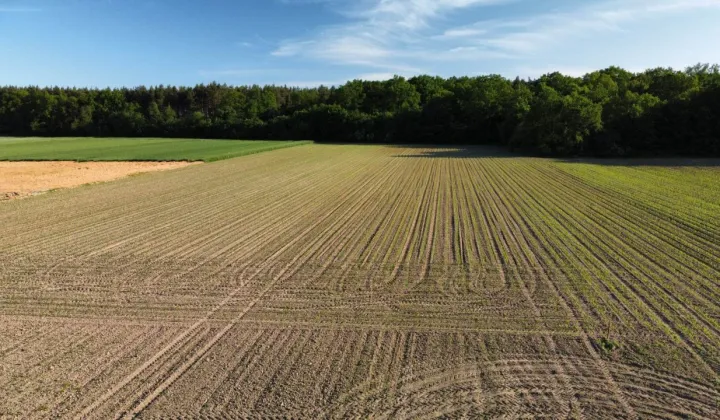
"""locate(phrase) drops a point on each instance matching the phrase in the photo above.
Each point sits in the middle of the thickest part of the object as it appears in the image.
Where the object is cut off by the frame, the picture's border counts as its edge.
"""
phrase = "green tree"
(558, 124)
(608, 112)
(350, 96)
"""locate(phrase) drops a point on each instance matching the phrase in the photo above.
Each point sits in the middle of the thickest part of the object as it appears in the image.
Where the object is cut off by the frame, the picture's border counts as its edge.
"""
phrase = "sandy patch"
(23, 179)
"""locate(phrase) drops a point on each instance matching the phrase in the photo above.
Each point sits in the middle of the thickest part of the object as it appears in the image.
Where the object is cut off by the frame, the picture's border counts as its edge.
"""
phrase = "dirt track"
(22, 179)
(336, 281)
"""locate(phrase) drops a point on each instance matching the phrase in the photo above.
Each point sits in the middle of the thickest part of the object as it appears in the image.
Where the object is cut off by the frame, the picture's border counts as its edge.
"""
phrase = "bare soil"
(23, 179)
(366, 282)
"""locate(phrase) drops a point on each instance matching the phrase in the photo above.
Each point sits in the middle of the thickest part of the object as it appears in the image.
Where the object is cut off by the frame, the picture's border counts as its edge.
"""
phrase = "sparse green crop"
(362, 281)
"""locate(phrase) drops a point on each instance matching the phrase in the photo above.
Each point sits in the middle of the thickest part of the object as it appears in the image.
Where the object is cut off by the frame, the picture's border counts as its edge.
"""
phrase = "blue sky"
(310, 42)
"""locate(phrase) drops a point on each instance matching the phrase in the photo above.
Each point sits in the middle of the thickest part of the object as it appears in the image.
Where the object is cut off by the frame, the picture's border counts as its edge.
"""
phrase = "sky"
(98, 43)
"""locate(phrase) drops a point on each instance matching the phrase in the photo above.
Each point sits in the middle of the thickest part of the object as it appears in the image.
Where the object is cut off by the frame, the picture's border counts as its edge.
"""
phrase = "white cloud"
(415, 14)
(463, 32)
(540, 32)
(432, 36)
(394, 35)
(292, 48)
(378, 77)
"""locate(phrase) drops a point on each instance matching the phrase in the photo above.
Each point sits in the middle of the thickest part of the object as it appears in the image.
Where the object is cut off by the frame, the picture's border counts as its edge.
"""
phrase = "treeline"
(610, 112)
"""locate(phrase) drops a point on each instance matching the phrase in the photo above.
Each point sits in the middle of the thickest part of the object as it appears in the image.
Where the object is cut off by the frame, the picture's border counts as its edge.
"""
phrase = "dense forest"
(610, 112)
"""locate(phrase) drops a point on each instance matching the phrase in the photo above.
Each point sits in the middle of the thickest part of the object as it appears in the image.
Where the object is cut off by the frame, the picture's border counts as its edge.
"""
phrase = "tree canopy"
(611, 112)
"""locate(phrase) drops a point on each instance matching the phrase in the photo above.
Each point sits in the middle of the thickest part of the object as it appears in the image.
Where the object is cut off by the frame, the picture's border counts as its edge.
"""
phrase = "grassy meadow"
(88, 149)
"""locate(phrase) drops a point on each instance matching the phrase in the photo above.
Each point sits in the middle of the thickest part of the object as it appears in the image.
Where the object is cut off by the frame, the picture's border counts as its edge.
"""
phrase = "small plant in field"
(608, 345)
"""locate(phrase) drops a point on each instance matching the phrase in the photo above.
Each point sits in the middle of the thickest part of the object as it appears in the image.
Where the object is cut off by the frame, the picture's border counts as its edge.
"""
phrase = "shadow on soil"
(489, 151)
(453, 151)
(458, 151)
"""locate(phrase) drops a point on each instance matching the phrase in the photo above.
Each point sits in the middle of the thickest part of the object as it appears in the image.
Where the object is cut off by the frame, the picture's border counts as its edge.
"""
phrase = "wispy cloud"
(462, 33)
(413, 36)
(538, 33)
(378, 77)
(390, 35)
(416, 14)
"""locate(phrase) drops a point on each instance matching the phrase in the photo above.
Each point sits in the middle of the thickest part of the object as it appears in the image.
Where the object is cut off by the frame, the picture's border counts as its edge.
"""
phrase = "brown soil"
(366, 282)
(23, 179)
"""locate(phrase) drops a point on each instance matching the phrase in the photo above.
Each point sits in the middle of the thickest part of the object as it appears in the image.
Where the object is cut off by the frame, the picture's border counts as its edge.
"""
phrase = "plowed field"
(332, 281)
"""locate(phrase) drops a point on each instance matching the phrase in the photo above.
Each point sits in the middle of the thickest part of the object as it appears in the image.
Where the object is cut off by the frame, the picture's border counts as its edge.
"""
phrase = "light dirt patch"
(23, 179)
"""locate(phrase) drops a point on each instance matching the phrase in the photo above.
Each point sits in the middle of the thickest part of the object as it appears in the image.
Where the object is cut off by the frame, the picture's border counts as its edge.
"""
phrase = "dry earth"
(338, 281)
(22, 179)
